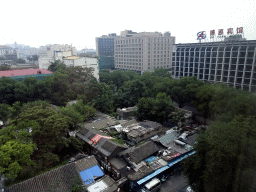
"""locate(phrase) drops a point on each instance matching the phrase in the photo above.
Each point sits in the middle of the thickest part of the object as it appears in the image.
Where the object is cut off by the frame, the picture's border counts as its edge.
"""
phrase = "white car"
(189, 189)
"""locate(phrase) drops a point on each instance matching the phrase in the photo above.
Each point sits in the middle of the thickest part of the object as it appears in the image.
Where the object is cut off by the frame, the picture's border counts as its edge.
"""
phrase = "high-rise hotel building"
(144, 51)
(231, 61)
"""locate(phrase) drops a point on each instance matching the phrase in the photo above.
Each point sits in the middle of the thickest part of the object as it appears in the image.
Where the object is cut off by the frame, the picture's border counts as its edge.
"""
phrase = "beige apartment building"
(144, 51)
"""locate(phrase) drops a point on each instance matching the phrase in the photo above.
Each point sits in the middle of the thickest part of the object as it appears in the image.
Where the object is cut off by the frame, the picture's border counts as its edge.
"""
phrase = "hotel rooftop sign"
(230, 32)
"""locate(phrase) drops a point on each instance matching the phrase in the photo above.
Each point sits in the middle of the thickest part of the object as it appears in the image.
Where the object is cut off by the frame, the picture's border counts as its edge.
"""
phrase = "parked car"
(189, 189)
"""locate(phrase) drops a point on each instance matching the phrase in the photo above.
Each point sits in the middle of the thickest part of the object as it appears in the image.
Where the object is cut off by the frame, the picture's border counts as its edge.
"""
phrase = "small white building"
(91, 63)
(51, 53)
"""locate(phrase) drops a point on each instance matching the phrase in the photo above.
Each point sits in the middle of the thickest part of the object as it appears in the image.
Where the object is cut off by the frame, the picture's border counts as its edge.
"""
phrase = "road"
(175, 183)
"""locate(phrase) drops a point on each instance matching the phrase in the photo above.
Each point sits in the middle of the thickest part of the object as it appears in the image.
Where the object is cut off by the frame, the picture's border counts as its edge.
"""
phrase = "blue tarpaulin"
(150, 159)
(90, 174)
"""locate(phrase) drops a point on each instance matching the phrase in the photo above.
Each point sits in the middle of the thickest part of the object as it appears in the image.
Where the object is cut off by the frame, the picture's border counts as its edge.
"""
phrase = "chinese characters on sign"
(230, 31)
(220, 32)
(239, 30)
(212, 33)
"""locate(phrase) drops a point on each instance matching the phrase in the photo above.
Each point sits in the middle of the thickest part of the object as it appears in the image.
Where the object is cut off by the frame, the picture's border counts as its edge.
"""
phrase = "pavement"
(175, 183)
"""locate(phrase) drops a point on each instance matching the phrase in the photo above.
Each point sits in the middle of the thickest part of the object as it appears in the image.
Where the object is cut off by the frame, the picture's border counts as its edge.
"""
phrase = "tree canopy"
(225, 157)
(157, 109)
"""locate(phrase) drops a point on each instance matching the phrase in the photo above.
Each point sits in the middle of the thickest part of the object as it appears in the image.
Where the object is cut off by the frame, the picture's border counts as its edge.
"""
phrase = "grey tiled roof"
(105, 146)
(109, 146)
(140, 153)
(57, 180)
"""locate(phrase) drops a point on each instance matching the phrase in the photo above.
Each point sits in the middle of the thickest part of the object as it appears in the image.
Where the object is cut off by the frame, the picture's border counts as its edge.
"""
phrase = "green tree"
(157, 109)
(50, 133)
(15, 109)
(163, 85)
(7, 86)
(129, 94)
(20, 61)
(117, 77)
(144, 108)
(178, 116)
(225, 157)
(161, 72)
(78, 112)
(35, 57)
(4, 112)
(184, 90)
(57, 65)
(203, 98)
(221, 100)
(86, 111)
(60, 92)
(5, 67)
(19, 132)
(105, 100)
(14, 156)
(66, 84)
(71, 112)
(27, 90)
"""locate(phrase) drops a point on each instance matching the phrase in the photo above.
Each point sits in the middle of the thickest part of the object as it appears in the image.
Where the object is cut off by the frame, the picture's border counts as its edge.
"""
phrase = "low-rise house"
(154, 159)
(138, 162)
(106, 184)
(85, 172)
(125, 113)
(138, 131)
(104, 148)
(101, 121)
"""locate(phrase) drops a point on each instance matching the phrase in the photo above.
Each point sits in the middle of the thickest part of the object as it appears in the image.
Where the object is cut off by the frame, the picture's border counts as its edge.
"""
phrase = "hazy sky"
(41, 22)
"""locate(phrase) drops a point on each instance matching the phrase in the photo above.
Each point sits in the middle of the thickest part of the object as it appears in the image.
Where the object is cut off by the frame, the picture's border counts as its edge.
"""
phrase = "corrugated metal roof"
(167, 139)
(170, 164)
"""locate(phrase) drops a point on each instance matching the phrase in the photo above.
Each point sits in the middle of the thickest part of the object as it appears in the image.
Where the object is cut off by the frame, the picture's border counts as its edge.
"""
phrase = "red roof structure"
(23, 72)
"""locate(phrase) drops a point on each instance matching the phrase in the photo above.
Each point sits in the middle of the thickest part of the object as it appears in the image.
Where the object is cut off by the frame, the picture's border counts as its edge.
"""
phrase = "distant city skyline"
(37, 23)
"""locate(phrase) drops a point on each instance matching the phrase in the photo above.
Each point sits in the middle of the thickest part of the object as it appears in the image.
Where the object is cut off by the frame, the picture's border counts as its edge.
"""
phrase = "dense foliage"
(225, 153)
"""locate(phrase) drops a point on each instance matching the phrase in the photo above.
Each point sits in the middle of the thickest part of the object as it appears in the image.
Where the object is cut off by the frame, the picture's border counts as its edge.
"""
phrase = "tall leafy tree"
(5, 67)
(222, 161)
(4, 112)
(161, 72)
(157, 109)
(7, 86)
(105, 100)
(184, 90)
(204, 96)
(57, 65)
(16, 148)
(129, 94)
(14, 156)
(78, 112)
(50, 133)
